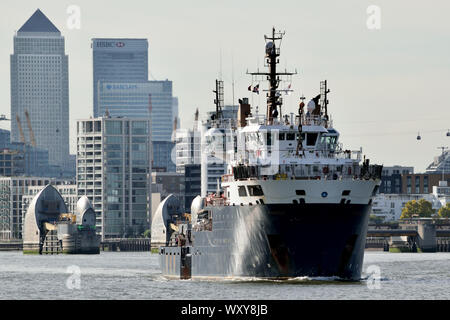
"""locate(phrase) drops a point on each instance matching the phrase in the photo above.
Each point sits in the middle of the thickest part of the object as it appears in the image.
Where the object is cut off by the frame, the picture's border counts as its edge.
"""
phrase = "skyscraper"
(117, 60)
(122, 89)
(40, 89)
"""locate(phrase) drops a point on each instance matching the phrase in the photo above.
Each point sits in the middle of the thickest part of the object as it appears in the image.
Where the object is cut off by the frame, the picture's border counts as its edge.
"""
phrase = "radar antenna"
(273, 44)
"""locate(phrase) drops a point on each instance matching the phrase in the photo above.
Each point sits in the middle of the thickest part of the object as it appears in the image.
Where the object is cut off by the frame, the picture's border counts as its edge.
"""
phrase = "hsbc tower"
(118, 60)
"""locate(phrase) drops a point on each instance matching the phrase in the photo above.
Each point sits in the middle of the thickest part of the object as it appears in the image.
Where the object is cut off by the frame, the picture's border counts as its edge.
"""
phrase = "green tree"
(146, 233)
(444, 211)
(414, 208)
(375, 219)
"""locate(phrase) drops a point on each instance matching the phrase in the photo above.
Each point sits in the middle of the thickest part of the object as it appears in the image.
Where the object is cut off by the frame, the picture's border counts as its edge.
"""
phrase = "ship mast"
(323, 102)
(273, 44)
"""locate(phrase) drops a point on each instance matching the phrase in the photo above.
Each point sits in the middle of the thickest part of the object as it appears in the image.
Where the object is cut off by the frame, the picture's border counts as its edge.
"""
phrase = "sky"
(388, 70)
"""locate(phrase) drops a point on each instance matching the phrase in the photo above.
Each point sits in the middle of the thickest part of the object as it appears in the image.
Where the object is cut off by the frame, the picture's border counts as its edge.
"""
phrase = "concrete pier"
(11, 245)
(426, 239)
(412, 235)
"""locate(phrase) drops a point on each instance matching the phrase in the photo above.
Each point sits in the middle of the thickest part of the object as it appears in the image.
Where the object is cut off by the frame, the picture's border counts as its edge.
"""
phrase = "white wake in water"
(250, 240)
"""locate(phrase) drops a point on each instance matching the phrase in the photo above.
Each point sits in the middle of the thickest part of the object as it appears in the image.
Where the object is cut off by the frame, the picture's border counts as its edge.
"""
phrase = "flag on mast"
(254, 89)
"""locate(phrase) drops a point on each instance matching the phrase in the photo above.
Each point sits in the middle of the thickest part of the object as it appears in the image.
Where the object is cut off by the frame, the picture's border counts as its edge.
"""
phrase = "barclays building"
(118, 60)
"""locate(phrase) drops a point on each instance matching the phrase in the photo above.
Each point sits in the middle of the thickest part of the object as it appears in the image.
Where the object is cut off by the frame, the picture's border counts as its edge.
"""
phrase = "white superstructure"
(281, 164)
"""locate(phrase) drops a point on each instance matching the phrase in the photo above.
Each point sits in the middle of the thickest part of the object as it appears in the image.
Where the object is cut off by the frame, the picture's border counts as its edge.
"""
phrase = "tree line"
(423, 209)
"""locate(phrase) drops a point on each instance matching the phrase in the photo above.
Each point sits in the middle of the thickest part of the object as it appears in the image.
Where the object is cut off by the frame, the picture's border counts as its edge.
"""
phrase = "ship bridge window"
(255, 191)
(242, 191)
(290, 136)
(311, 138)
(327, 142)
(281, 136)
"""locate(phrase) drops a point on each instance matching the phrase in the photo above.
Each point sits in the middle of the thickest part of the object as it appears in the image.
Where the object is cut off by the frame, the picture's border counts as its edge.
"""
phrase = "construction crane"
(33, 141)
(19, 125)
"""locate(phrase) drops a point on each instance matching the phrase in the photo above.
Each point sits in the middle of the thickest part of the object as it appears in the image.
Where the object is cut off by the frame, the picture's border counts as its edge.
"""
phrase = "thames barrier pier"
(50, 229)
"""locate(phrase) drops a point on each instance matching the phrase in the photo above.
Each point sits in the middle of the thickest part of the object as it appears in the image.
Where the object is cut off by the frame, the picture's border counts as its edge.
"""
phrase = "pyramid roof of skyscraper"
(38, 22)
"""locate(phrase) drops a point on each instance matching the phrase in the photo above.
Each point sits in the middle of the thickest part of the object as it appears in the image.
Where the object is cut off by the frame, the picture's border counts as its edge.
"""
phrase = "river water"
(136, 275)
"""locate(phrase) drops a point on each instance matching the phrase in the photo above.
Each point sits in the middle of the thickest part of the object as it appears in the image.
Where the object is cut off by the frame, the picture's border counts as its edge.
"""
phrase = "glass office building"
(164, 156)
(118, 60)
(122, 89)
(39, 88)
(146, 100)
(113, 171)
(135, 100)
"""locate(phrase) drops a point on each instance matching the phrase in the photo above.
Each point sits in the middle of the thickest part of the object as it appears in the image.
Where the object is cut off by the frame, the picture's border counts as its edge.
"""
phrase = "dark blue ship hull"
(274, 241)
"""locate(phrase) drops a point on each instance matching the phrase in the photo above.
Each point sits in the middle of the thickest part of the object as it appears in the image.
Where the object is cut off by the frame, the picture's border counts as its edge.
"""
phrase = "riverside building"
(13, 191)
(391, 178)
(113, 171)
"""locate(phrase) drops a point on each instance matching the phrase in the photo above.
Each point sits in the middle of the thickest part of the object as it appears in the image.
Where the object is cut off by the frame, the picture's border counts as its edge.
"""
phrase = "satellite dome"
(269, 47)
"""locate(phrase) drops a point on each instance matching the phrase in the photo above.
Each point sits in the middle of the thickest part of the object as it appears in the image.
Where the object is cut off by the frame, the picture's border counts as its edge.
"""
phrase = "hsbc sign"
(109, 44)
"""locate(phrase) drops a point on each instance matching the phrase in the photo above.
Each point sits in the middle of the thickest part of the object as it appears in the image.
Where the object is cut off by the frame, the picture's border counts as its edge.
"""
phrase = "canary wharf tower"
(39, 88)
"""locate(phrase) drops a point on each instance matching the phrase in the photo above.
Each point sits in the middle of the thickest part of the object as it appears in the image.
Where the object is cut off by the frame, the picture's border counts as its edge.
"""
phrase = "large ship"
(293, 203)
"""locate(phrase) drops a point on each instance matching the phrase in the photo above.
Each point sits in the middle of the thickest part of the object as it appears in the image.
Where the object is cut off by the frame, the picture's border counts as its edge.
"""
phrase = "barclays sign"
(121, 86)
